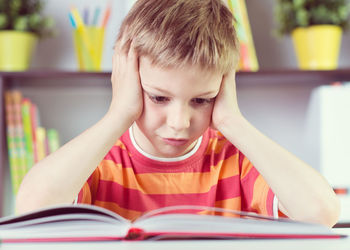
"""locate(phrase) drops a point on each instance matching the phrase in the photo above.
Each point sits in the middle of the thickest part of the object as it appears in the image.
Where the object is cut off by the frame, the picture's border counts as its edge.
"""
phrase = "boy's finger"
(119, 52)
(132, 53)
(119, 46)
(133, 58)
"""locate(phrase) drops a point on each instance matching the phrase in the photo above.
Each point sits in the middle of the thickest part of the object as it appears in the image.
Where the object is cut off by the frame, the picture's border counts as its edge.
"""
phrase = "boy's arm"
(58, 178)
(302, 192)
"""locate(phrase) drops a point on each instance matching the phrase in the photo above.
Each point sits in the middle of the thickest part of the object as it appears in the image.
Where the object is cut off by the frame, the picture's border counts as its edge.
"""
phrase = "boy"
(174, 134)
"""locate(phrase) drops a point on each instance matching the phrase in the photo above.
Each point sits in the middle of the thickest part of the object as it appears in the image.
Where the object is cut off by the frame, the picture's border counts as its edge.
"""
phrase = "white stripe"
(275, 207)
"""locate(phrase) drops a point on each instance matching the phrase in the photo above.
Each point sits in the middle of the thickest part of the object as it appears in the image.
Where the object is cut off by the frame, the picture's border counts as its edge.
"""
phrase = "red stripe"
(269, 202)
(213, 159)
(228, 188)
(247, 184)
(118, 155)
(241, 158)
(80, 196)
(201, 165)
(138, 201)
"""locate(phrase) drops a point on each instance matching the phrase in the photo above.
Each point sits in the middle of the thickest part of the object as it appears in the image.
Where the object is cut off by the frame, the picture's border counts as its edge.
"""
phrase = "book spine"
(254, 66)
(53, 140)
(27, 129)
(27, 143)
(34, 125)
(19, 137)
(248, 58)
(41, 137)
(11, 142)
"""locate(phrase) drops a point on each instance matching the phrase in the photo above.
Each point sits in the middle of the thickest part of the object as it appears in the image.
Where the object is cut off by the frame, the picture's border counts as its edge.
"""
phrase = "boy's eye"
(158, 99)
(199, 101)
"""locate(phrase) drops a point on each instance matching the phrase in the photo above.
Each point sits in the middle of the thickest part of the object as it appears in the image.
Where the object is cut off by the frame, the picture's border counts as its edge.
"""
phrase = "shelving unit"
(264, 77)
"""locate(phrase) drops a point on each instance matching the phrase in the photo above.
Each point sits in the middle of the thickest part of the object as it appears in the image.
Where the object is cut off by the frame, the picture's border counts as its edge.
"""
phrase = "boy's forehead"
(148, 70)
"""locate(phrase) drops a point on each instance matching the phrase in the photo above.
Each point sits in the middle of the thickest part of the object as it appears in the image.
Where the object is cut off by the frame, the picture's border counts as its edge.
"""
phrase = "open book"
(91, 223)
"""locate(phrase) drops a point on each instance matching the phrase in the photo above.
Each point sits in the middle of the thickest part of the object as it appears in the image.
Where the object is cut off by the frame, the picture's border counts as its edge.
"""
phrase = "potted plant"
(316, 28)
(21, 24)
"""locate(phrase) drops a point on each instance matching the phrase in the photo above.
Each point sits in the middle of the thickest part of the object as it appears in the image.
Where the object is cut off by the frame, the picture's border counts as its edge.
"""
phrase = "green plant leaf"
(21, 23)
(290, 14)
(3, 21)
(26, 15)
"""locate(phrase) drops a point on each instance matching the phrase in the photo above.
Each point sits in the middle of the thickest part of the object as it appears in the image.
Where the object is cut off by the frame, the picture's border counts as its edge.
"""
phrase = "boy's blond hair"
(178, 33)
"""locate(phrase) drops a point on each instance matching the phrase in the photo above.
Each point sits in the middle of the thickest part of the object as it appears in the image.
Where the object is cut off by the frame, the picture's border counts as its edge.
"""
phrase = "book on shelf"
(248, 59)
(83, 222)
(27, 129)
(15, 137)
(22, 126)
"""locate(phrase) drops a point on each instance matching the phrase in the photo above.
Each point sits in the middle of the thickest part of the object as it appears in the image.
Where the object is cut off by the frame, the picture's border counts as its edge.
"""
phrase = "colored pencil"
(106, 16)
(96, 16)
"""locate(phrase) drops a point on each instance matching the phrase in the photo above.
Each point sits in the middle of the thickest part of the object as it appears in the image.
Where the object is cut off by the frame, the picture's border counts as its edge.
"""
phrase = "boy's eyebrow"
(169, 94)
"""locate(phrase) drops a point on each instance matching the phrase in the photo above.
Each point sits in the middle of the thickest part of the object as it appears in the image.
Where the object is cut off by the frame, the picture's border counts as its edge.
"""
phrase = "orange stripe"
(120, 144)
(246, 167)
(233, 204)
(215, 145)
(260, 192)
(126, 213)
(86, 194)
(167, 183)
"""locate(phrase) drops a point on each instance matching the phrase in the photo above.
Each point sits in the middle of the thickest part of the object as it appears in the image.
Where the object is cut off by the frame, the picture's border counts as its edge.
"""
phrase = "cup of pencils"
(88, 38)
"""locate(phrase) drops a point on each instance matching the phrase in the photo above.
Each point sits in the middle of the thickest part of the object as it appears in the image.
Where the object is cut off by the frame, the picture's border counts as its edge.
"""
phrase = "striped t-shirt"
(215, 173)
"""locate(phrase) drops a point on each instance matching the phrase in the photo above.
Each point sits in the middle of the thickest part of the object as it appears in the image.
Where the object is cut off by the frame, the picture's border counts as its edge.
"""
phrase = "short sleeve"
(256, 195)
(88, 192)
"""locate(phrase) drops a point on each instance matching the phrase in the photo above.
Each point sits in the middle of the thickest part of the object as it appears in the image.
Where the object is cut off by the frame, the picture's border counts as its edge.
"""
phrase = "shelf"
(52, 74)
(294, 76)
(286, 76)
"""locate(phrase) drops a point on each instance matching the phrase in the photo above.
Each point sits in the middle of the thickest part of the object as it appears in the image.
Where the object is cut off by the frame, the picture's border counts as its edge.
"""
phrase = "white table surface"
(341, 244)
(285, 244)
(248, 244)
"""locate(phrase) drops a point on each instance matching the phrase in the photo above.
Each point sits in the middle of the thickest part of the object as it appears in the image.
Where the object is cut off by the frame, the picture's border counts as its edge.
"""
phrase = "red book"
(34, 123)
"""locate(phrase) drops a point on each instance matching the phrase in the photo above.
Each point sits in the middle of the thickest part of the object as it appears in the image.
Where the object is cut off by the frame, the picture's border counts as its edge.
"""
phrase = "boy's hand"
(127, 99)
(226, 105)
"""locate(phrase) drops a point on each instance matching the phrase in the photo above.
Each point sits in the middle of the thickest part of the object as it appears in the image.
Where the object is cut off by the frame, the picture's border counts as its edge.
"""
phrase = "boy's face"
(177, 109)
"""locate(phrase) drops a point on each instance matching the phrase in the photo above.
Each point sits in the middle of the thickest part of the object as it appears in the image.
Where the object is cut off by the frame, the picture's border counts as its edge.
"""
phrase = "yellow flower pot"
(16, 48)
(317, 47)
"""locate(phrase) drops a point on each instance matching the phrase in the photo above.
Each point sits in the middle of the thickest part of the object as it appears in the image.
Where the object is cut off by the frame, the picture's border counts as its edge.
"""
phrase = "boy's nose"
(179, 118)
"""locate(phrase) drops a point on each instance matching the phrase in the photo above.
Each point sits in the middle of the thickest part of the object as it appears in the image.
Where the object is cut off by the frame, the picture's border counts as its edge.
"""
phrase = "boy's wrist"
(232, 126)
(118, 119)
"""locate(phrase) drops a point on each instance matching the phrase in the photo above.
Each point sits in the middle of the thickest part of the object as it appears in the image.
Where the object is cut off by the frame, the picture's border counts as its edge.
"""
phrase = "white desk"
(336, 244)
(342, 244)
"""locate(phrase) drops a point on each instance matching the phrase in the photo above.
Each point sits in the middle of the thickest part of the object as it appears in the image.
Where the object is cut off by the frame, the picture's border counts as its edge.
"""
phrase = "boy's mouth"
(175, 142)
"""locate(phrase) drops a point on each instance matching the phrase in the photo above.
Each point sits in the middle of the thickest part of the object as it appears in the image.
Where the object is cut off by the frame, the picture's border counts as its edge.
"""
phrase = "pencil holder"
(88, 43)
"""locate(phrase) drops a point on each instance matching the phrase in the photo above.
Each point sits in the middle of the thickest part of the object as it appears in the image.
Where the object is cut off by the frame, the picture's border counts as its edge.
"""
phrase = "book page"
(65, 222)
(185, 223)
